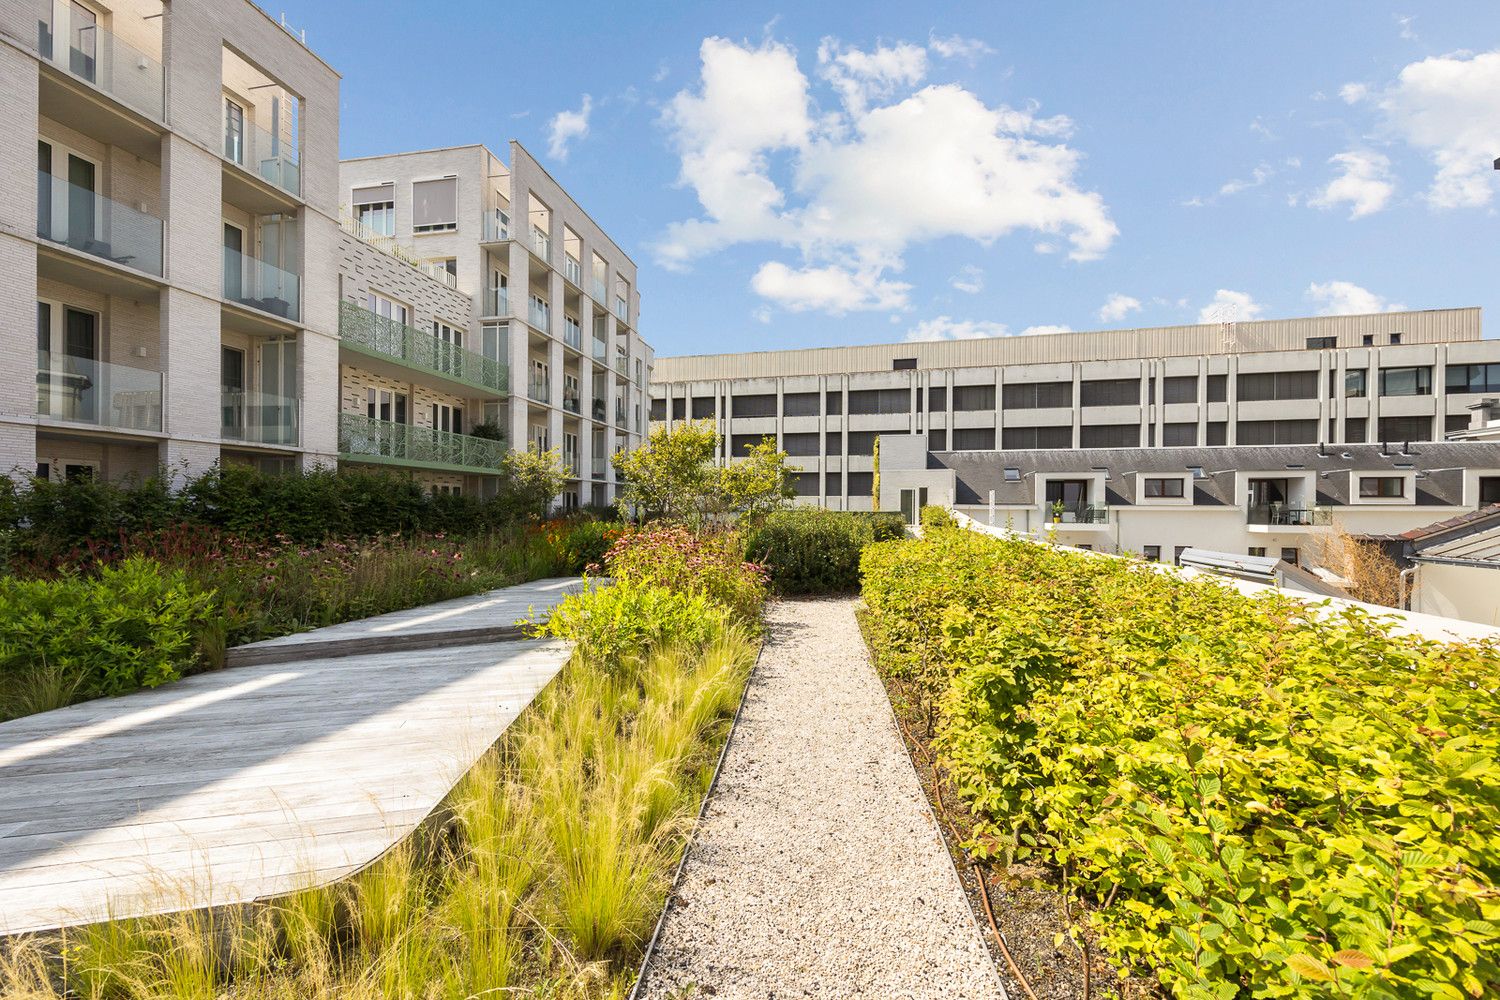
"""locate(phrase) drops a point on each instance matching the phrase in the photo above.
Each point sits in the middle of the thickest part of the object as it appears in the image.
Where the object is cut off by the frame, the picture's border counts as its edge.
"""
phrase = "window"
(968, 398)
(805, 484)
(874, 401)
(763, 405)
(740, 444)
(1414, 381)
(234, 132)
(937, 399)
(1217, 433)
(1151, 553)
(434, 205)
(833, 484)
(1038, 395)
(1261, 432)
(703, 407)
(658, 409)
(903, 364)
(448, 418)
(800, 444)
(1177, 551)
(375, 209)
(1356, 383)
(974, 439)
(1455, 422)
(937, 440)
(1473, 378)
(1218, 388)
(1354, 430)
(1012, 474)
(1180, 389)
(1321, 343)
(1110, 436)
(383, 404)
(1179, 435)
(1395, 338)
(387, 308)
(1382, 487)
(1258, 551)
(1196, 471)
(862, 442)
(833, 443)
(1368, 340)
(1489, 490)
(799, 404)
(1405, 428)
(1289, 555)
(1260, 386)
(1110, 392)
(1031, 438)
(835, 401)
(679, 409)
(1164, 488)
(861, 484)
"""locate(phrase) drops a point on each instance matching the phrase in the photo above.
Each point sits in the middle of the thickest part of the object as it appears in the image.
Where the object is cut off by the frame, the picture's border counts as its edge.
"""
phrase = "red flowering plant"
(709, 563)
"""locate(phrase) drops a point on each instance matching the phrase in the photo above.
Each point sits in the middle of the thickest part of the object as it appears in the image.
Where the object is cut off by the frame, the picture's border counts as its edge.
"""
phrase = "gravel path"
(818, 871)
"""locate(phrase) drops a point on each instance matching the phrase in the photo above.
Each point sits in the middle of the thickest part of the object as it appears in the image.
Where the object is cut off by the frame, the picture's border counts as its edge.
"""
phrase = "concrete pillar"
(517, 339)
(18, 290)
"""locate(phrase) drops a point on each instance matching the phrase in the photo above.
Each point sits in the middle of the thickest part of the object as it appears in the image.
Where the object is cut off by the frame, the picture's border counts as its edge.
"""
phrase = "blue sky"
(817, 174)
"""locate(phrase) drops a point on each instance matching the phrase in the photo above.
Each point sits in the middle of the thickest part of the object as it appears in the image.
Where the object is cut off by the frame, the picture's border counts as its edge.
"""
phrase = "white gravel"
(818, 871)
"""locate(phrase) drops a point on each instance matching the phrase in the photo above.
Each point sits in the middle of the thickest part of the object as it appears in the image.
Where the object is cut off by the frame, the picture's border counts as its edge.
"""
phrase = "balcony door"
(72, 218)
(1265, 492)
(1074, 493)
(278, 391)
(232, 387)
(83, 41)
(450, 347)
(234, 131)
(67, 362)
(234, 262)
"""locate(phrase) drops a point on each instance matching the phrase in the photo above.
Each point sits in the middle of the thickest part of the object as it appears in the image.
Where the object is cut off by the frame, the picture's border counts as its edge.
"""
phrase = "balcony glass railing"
(600, 294)
(387, 441)
(496, 226)
(1283, 515)
(539, 390)
(621, 309)
(571, 402)
(260, 285)
(541, 243)
(1077, 514)
(539, 315)
(271, 157)
(418, 349)
(573, 270)
(601, 350)
(98, 226)
(497, 302)
(619, 414)
(98, 393)
(96, 56)
(572, 334)
(599, 409)
(259, 417)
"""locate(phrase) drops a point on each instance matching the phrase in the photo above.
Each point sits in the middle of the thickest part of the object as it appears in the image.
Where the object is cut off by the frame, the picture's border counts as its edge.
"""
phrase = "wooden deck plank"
(255, 780)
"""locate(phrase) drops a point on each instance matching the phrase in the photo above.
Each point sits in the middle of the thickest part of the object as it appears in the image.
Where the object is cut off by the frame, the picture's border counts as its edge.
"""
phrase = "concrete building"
(1272, 501)
(168, 173)
(1455, 566)
(553, 304)
(1394, 377)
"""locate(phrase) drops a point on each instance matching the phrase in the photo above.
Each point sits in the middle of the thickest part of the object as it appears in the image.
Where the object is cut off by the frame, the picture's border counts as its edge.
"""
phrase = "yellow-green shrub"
(1256, 799)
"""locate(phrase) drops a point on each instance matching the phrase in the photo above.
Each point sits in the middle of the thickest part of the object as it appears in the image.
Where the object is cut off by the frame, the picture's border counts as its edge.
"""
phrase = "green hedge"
(808, 550)
(134, 625)
(1250, 799)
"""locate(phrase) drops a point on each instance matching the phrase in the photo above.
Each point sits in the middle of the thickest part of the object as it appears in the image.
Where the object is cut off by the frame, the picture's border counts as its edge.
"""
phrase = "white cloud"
(1344, 298)
(1363, 182)
(1117, 307)
(832, 289)
(662, 72)
(1257, 177)
(969, 279)
(958, 47)
(566, 127)
(1230, 307)
(1261, 129)
(948, 328)
(852, 189)
(1041, 328)
(1449, 107)
(1407, 31)
(1353, 93)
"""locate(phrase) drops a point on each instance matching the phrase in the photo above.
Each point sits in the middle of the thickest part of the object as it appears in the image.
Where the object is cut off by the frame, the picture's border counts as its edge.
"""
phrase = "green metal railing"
(379, 335)
(363, 438)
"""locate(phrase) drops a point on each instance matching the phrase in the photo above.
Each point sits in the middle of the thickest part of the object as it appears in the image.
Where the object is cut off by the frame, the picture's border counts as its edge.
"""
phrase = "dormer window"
(1163, 487)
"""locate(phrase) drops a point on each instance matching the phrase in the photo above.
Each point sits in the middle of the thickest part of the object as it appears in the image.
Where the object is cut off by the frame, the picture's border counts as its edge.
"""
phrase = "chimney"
(1485, 412)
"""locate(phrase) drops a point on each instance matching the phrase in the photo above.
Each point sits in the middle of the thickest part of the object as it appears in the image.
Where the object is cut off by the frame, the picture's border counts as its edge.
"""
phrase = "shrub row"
(808, 550)
(1253, 797)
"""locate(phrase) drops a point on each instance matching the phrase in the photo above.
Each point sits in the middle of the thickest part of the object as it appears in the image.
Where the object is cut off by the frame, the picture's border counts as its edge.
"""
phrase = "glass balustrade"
(271, 157)
(541, 243)
(539, 390)
(540, 315)
(98, 226)
(573, 270)
(496, 226)
(97, 393)
(259, 417)
(260, 285)
(497, 302)
(573, 334)
(75, 43)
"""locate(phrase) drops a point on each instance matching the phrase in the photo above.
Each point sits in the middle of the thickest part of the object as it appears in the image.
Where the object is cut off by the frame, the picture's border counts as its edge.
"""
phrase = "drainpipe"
(1401, 589)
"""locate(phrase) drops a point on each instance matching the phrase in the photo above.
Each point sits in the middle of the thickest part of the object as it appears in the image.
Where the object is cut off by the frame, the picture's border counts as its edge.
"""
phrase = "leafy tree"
(530, 480)
(674, 476)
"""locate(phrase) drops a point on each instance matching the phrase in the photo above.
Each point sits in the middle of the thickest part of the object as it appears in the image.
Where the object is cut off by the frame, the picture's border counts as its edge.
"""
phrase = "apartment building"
(185, 166)
(552, 313)
(1275, 501)
(1341, 380)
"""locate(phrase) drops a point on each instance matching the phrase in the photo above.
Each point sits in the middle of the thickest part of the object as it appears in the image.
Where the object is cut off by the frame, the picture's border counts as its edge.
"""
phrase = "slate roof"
(1442, 462)
(1469, 538)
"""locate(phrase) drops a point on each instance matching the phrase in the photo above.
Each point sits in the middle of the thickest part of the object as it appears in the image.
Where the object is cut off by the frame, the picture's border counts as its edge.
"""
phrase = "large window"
(1110, 436)
(1382, 487)
(1180, 389)
(1038, 395)
(763, 405)
(937, 399)
(740, 444)
(800, 444)
(835, 402)
(937, 440)
(375, 209)
(658, 410)
(1473, 378)
(1110, 392)
(973, 397)
(1405, 428)
(974, 439)
(1182, 434)
(1164, 488)
(434, 205)
(874, 401)
(1259, 386)
(1356, 384)
(1218, 388)
(1354, 430)
(703, 407)
(800, 404)
(1260, 432)
(862, 442)
(1414, 381)
(1030, 438)
(861, 484)
(1489, 490)
(805, 484)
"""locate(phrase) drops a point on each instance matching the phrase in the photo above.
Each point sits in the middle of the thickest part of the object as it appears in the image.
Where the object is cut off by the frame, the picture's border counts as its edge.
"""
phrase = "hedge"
(808, 550)
(1251, 797)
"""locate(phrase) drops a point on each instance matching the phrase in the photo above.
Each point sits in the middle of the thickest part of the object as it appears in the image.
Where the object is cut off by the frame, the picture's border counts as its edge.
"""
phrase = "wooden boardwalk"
(254, 780)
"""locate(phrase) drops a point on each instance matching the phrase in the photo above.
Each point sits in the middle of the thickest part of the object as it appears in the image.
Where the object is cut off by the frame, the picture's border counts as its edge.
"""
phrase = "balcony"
(261, 418)
(539, 390)
(599, 409)
(259, 285)
(601, 350)
(541, 243)
(539, 314)
(97, 393)
(601, 295)
(270, 157)
(101, 227)
(94, 55)
(364, 439)
(380, 336)
(497, 302)
(620, 414)
(496, 226)
(572, 334)
(572, 402)
(1077, 515)
(1276, 516)
(572, 270)
(622, 310)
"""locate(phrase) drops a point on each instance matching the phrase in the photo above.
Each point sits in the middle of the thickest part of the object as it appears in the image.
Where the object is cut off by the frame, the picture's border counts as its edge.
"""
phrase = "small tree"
(673, 476)
(529, 482)
(1373, 576)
